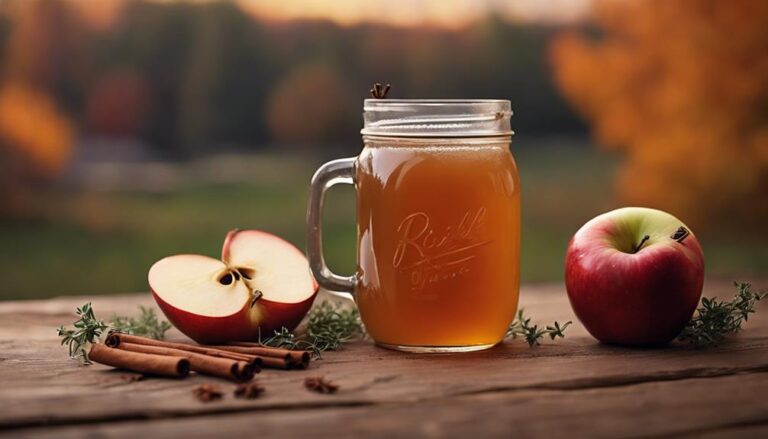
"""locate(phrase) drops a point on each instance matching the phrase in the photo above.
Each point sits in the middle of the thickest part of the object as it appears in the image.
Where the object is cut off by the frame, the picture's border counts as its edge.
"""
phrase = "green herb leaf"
(329, 326)
(87, 330)
(716, 319)
(146, 325)
(285, 339)
(532, 334)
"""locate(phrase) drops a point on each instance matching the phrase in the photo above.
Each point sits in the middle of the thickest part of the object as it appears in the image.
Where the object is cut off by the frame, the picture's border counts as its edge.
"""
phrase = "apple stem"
(639, 246)
(256, 296)
(680, 234)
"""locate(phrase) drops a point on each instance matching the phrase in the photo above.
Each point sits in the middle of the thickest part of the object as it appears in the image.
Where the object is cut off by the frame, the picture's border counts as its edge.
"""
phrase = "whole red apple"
(634, 276)
(261, 283)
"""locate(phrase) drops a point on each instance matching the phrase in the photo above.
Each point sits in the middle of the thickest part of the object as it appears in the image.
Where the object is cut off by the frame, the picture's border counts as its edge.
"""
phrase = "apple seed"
(226, 279)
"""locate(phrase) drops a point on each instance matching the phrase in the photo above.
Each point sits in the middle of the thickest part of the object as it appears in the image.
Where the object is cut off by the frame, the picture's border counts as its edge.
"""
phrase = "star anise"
(320, 385)
(378, 91)
(250, 390)
(207, 392)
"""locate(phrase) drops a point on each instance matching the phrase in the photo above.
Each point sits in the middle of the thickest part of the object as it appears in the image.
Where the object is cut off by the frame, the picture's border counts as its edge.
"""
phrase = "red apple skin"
(633, 299)
(205, 329)
(277, 315)
(231, 236)
(237, 327)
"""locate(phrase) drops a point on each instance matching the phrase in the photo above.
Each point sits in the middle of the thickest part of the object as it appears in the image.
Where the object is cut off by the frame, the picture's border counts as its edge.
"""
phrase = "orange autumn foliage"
(44, 46)
(681, 87)
(40, 53)
(35, 144)
(31, 126)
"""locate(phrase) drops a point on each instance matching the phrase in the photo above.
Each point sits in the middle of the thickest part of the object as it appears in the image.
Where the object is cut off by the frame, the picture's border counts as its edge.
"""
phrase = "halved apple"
(261, 284)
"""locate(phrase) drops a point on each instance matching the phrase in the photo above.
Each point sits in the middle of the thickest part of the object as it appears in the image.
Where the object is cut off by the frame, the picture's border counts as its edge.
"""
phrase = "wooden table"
(573, 387)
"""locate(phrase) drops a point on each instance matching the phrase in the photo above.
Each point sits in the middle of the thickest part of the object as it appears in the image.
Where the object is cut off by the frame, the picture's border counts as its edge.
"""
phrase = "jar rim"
(437, 117)
(390, 102)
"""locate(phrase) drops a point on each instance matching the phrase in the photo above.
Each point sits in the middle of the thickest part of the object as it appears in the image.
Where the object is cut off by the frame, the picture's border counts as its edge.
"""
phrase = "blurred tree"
(509, 60)
(207, 67)
(310, 106)
(153, 40)
(187, 78)
(117, 105)
(682, 88)
(226, 80)
(42, 73)
(35, 145)
(47, 50)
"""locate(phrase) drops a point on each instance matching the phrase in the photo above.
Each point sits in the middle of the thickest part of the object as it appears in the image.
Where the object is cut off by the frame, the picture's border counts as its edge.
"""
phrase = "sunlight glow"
(453, 13)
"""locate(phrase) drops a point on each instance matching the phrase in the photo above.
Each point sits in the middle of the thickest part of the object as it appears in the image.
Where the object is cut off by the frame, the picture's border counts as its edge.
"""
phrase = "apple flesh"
(262, 283)
(634, 276)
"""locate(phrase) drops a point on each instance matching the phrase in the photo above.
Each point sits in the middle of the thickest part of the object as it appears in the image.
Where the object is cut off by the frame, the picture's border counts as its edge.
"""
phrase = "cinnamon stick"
(221, 367)
(297, 359)
(279, 359)
(163, 365)
(116, 338)
(276, 363)
(268, 351)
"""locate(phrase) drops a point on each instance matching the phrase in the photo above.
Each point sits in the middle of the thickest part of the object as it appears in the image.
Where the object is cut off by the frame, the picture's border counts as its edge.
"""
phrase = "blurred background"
(131, 130)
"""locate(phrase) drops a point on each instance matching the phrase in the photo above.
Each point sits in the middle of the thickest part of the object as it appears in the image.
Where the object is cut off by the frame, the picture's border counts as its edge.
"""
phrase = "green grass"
(104, 242)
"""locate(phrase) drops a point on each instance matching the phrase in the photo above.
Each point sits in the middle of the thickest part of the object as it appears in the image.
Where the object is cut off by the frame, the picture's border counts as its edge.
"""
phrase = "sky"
(438, 13)
(449, 13)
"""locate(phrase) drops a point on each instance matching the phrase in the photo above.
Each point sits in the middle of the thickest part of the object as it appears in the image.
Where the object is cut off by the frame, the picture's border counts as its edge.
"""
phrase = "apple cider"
(438, 224)
(438, 240)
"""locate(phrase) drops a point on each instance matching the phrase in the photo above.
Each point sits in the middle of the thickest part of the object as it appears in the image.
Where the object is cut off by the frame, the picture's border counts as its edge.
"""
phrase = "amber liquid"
(438, 241)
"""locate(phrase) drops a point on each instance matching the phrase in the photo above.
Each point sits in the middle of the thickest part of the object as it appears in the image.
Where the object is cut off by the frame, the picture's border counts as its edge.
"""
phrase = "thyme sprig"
(716, 319)
(147, 324)
(329, 326)
(285, 338)
(522, 327)
(88, 329)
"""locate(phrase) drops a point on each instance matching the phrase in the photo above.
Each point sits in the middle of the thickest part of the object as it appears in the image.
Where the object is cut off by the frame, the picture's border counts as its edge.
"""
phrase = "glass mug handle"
(329, 174)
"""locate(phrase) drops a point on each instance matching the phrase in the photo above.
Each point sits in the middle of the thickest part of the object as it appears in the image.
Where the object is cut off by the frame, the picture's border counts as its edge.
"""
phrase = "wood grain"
(685, 407)
(572, 386)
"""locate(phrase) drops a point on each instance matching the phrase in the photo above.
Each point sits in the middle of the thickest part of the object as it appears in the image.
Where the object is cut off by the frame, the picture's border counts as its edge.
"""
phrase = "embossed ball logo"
(433, 254)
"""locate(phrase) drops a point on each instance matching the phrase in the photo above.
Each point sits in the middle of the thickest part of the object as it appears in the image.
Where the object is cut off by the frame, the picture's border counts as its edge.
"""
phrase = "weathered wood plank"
(47, 388)
(714, 407)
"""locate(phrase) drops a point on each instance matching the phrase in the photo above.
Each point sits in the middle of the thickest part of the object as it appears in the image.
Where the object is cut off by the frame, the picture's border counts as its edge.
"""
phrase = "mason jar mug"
(438, 224)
